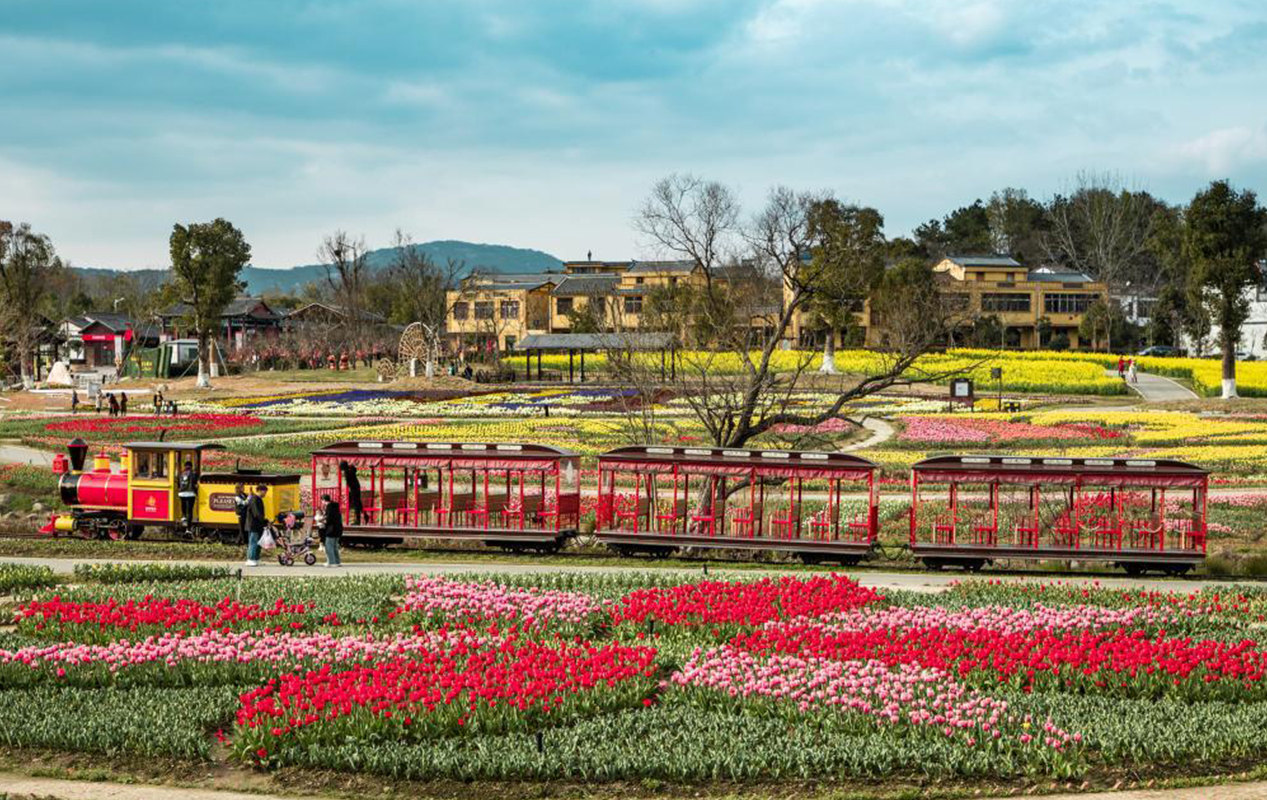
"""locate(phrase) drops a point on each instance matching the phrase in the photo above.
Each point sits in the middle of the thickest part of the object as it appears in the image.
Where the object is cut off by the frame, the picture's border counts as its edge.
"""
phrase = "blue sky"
(543, 124)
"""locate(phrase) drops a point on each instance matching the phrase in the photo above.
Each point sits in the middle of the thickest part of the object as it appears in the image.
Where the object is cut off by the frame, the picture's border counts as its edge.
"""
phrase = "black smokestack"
(78, 450)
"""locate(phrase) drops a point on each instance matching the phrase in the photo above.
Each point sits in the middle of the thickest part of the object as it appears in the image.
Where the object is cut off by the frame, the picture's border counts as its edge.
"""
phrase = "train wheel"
(310, 559)
(934, 564)
(811, 558)
(1132, 569)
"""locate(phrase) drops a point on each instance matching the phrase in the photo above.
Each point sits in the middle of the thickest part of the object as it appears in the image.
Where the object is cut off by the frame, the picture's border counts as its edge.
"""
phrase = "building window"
(510, 343)
(510, 309)
(1005, 302)
(563, 305)
(638, 281)
(484, 309)
(633, 305)
(1068, 303)
(460, 310)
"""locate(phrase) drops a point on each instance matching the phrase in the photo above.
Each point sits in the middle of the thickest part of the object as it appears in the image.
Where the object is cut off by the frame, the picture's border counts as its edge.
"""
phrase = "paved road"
(910, 581)
(1156, 388)
(881, 432)
(23, 786)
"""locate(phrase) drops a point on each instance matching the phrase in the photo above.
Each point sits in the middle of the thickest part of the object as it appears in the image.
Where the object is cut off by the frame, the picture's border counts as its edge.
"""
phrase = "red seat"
(820, 526)
(1026, 536)
(860, 530)
(786, 522)
(742, 522)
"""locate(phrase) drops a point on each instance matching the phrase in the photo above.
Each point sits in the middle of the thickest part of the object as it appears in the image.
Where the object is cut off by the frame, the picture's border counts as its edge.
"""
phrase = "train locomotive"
(105, 503)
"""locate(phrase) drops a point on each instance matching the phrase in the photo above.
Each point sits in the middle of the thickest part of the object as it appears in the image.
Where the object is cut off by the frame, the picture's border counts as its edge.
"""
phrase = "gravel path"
(19, 786)
(910, 581)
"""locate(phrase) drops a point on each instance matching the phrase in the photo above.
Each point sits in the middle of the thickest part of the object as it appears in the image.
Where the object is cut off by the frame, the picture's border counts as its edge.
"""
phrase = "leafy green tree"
(846, 261)
(1225, 237)
(207, 258)
(27, 263)
(1017, 225)
(964, 231)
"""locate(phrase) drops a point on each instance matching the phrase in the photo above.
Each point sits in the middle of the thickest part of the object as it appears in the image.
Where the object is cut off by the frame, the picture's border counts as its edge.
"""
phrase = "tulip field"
(592, 678)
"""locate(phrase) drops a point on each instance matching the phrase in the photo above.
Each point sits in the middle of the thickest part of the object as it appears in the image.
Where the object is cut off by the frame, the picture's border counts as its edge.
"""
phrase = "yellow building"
(496, 310)
(1022, 300)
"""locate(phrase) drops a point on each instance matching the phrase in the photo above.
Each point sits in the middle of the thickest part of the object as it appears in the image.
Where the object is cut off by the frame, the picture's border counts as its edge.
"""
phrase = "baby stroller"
(292, 540)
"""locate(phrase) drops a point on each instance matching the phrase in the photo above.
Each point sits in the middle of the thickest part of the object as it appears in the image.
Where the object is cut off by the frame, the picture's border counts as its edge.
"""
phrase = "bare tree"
(1102, 228)
(693, 219)
(733, 382)
(27, 262)
(421, 287)
(346, 264)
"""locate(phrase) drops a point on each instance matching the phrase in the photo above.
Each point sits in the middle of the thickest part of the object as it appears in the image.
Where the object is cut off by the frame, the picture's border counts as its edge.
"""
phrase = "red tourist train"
(962, 510)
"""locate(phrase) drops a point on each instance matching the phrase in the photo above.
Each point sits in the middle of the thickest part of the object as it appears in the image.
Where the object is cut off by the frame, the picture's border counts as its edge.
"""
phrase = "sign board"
(996, 373)
(961, 390)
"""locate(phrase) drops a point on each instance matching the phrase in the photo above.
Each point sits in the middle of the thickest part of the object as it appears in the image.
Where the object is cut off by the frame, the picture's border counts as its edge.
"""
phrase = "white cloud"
(1225, 149)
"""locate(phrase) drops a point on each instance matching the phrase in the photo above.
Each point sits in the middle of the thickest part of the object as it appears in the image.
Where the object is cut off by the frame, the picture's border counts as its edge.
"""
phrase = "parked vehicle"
(1160, 350)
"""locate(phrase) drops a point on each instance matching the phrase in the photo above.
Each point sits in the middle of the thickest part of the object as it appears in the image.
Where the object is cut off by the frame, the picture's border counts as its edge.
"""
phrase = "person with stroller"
(255, 521)
(187, 490)
(331, 530)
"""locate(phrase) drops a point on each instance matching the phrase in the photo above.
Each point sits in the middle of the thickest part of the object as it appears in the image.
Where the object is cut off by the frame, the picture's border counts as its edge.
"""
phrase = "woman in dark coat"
(331, 530)
(353, 485)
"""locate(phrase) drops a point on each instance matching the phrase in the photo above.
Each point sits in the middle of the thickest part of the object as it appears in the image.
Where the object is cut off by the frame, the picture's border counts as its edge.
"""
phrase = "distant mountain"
(285, 280)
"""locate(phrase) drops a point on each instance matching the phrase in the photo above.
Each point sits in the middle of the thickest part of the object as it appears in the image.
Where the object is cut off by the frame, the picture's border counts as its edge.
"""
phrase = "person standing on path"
(74, 401)
(123, 404)
(1132, 372)
(255, 521)
(331, 530)
(114, 404)
(1121, 367)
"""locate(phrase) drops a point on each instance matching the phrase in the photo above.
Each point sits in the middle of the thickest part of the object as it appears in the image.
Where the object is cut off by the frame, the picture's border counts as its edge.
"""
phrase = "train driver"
(187, 490)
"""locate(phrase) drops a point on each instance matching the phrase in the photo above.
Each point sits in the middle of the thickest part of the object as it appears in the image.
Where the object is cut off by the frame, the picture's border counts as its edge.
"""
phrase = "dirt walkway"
(19, 786)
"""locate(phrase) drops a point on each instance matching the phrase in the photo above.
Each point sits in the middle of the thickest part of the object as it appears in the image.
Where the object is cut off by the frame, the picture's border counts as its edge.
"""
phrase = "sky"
(545, 124)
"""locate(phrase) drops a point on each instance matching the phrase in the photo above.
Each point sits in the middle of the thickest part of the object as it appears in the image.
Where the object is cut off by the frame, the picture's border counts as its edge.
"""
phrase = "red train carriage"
(821, 506)
(1141, 514)
(517, 496)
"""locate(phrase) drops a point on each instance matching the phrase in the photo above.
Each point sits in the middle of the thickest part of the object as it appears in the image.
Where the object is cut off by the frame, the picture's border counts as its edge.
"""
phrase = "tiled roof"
(1058, 274)
(237, 307)
(661, 266)
(109, 319)
(985, 261)
(586, 286)
(633, 340)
